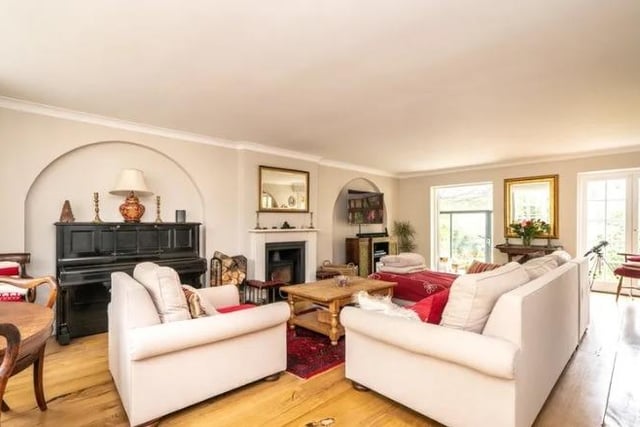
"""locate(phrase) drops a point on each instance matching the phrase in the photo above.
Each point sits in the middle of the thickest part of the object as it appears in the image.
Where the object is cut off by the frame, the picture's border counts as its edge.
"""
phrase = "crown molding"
(259, 148)
(524, 162)
(95, 119)
(352, 167)
(78, 116)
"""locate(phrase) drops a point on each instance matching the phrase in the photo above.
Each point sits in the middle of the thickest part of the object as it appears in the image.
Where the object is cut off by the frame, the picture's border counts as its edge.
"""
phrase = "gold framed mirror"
(533, 197)
(283, 190)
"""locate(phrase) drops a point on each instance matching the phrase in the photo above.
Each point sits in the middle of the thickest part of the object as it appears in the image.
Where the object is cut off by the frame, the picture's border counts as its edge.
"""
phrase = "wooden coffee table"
(326, 293)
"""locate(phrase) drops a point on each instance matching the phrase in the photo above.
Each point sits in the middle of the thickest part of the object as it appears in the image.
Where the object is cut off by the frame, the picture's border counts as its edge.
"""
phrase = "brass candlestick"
(257, 220)
(96, 208)
(310, 219)
(158, 220)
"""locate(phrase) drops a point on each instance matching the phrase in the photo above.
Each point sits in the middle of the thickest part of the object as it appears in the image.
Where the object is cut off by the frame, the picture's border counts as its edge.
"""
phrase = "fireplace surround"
(306, 239)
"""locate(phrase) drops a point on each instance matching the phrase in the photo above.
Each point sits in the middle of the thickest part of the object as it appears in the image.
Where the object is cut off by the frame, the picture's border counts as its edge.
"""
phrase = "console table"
(87, 253)
(520, 250)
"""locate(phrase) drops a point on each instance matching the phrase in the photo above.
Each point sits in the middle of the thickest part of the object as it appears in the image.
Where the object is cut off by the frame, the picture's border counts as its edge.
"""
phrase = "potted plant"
(405, 233)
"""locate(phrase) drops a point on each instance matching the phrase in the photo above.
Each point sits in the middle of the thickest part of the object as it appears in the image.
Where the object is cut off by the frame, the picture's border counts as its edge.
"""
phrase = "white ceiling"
(397, 85)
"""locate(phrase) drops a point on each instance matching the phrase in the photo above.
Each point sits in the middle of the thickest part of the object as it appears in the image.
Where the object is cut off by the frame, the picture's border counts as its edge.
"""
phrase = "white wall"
(414, 202)
(48, 160)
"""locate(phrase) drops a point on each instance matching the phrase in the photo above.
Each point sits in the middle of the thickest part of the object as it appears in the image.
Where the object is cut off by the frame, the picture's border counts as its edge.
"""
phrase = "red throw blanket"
(416, 286)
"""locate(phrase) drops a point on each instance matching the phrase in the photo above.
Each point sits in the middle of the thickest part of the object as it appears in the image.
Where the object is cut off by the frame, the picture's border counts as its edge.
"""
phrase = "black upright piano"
(87, 253)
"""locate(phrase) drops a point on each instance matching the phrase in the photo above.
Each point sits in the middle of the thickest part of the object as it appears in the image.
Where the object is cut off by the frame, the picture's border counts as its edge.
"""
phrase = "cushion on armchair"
(10, 292)
(163, 285)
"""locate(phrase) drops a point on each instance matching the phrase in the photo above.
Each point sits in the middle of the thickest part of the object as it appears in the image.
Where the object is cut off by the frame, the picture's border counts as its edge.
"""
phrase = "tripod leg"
(594, 272)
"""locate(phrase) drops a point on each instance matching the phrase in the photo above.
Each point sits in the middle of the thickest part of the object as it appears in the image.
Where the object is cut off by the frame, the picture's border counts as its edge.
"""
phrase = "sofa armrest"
(491, 356)
(170, 337)
(221, 296)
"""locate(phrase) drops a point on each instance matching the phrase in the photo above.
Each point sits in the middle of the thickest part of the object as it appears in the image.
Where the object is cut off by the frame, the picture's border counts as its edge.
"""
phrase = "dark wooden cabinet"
(520, 250)
(87, 254)
(365, 252)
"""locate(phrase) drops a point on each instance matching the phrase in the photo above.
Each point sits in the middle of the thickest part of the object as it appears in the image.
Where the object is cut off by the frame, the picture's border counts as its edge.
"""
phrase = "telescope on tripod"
(597, 261)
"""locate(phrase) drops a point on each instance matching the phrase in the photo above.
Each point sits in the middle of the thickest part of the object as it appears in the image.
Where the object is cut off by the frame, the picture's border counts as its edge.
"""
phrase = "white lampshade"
(131, 180)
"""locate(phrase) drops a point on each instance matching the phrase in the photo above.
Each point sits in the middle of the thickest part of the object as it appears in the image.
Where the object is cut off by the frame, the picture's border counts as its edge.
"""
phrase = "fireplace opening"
(284, 261)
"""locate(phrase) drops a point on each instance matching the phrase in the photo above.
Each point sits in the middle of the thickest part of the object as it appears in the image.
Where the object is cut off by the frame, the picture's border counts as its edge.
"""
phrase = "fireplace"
(304, 239)
(284, 261)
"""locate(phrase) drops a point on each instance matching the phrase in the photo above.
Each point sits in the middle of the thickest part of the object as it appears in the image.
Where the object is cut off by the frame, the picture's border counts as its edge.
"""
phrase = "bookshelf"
(365, 252)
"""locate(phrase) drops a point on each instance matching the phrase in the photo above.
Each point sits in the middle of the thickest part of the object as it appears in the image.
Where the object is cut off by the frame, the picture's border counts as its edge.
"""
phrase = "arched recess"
(341, 227)
(77, 174)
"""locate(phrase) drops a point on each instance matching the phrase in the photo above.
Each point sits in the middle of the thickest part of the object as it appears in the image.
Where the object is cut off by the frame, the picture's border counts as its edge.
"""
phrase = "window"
(609, 212)
(463, 225)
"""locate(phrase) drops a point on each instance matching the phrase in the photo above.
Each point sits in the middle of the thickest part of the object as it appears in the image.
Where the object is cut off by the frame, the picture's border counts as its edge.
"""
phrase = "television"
(365, 207)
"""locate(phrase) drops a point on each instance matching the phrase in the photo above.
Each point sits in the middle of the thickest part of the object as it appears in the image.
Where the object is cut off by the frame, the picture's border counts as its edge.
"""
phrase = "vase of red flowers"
(528, 229)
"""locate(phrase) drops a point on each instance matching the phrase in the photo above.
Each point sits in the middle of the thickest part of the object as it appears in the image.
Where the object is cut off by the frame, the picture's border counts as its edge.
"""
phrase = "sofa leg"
(274, 377)
(359, 386)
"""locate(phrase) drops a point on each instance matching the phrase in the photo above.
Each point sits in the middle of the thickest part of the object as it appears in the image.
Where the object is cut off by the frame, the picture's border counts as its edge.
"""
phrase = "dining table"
(34, 322)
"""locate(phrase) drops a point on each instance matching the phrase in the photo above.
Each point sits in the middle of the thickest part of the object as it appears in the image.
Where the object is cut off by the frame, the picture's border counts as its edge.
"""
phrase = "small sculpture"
(66, 215)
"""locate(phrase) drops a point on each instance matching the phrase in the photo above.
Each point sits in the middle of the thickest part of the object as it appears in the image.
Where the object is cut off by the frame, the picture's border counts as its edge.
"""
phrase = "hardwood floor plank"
(624, 401)
(80, 391)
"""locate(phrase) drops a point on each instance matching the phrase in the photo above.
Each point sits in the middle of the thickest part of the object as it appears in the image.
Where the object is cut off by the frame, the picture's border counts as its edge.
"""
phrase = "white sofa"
(159, 367)
(500, 377)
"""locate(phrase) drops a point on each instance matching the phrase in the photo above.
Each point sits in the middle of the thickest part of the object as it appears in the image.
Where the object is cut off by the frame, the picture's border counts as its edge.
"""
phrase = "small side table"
(259, 292)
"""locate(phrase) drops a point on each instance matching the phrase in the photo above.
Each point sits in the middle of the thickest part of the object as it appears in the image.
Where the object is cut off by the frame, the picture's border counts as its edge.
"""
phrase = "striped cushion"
(479, 267)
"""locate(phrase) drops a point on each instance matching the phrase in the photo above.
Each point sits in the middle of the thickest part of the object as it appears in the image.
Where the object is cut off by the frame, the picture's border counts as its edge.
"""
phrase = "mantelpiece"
(258, 239)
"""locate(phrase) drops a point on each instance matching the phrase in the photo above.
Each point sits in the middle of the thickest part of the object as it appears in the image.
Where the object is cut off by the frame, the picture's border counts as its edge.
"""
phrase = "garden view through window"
(463, 225)
(610, 211)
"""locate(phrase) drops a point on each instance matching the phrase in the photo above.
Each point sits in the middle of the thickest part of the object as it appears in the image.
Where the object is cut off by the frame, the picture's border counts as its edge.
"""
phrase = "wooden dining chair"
(12, 336)
(36, 356)
(19, 261)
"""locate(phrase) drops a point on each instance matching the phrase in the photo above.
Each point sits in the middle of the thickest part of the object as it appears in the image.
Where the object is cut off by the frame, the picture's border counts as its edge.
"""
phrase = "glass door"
(609, 223)
(463, 226)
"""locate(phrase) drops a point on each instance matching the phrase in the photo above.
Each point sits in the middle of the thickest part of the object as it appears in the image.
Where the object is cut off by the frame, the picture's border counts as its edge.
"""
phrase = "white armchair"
(159, 368)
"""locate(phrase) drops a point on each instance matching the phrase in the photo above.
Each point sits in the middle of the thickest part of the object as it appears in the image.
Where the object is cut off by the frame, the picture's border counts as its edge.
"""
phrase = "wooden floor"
(80, 391)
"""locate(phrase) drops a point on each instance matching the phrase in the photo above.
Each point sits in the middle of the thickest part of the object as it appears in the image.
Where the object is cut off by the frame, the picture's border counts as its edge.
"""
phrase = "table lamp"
(131, 183)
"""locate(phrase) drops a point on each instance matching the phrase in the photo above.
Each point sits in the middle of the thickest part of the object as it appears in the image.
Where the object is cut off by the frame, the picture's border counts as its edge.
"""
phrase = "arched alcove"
(77, 174)
(341, 227)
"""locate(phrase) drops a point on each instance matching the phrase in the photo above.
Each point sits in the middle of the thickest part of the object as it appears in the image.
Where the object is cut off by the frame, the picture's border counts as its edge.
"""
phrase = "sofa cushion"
(538, 266)
(163, 285)
(430, 308)
(10, 270)
(11, 297)
(10, 292)
(194, 302)
(531, 255)
(472, 296)
(480, 267)
(561, 256)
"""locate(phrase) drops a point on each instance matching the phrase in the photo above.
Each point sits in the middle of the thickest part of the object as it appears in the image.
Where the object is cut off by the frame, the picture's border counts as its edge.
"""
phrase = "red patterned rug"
(310, 353)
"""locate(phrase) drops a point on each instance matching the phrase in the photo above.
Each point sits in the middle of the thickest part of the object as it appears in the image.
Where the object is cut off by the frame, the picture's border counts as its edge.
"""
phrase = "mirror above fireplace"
(283, 190)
